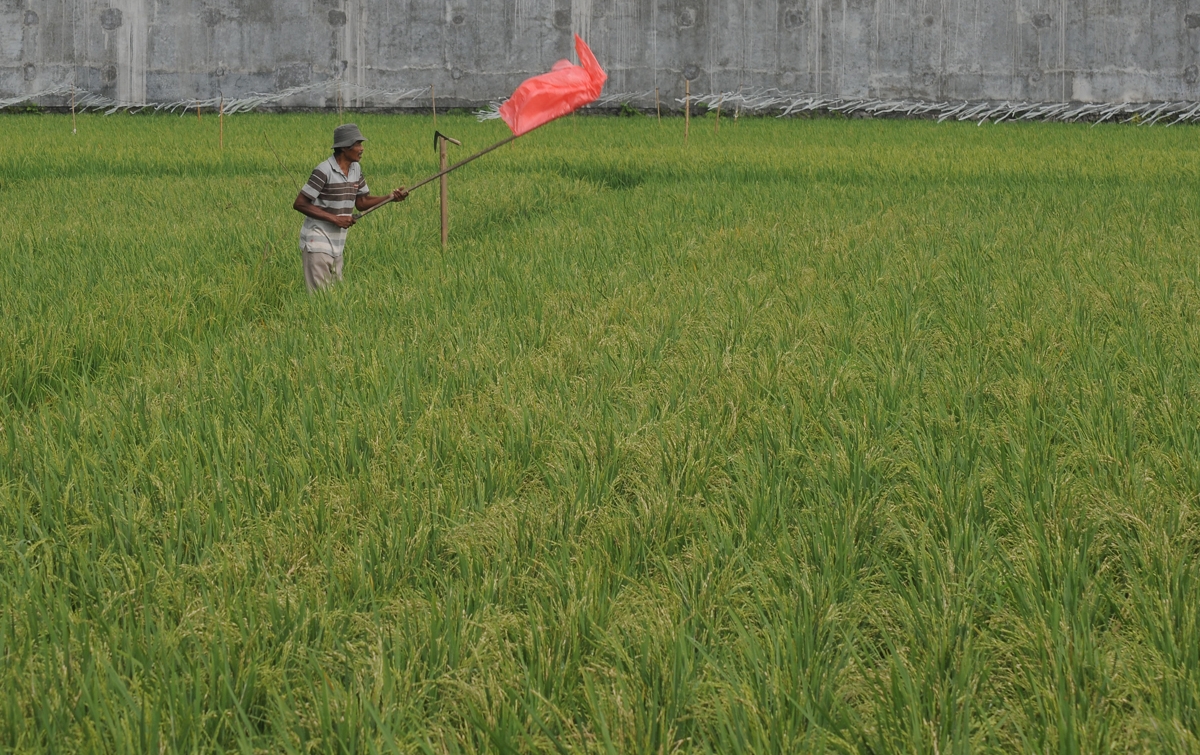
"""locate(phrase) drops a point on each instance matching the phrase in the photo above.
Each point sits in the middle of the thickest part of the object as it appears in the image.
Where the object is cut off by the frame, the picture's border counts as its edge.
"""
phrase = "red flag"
(565, 89)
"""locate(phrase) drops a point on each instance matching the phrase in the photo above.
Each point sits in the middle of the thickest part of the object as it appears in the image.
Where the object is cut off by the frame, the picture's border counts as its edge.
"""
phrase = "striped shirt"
(334, 191)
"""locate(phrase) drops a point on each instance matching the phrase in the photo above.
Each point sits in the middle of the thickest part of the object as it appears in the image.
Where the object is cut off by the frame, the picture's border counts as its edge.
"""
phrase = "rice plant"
(815, 435)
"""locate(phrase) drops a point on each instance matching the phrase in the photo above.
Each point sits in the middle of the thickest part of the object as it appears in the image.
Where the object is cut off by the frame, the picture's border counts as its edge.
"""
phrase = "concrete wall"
(474, 51)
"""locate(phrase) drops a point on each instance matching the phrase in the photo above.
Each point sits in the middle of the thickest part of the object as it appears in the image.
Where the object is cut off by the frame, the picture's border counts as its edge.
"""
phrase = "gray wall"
(478, 50)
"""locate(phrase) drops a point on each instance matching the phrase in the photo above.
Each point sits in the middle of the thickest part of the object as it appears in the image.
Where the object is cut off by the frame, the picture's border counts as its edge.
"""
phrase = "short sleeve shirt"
(334, 191)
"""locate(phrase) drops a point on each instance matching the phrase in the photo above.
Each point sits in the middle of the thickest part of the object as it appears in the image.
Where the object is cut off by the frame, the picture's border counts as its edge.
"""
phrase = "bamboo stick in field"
(687, 109)
(433, 105)
(73, 129)
(445, 194)
(717, 125)
(221, 125)
(441, 139)
(657, 106)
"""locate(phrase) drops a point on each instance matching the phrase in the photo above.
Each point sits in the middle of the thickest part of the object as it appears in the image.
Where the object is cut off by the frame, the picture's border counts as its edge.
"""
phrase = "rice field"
(828, 435)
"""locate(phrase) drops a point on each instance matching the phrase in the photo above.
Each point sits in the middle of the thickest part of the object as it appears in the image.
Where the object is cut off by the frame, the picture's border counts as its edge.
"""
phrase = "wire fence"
(85, 100)
(790, 103)
(758, 102)
(783, 104)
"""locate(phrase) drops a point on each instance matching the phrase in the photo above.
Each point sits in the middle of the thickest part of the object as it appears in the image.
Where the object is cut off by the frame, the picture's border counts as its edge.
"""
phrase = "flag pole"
(441, 173)
(566, 94)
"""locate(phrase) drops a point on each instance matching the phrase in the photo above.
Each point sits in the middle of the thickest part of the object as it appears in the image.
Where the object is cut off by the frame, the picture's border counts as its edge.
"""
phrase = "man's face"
(355, 152)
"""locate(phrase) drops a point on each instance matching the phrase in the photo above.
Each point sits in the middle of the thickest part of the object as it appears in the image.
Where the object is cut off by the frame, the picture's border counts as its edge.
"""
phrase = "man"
(334, 190)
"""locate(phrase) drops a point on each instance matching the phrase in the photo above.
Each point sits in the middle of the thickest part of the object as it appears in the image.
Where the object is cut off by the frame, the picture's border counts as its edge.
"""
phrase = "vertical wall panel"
(475, 51)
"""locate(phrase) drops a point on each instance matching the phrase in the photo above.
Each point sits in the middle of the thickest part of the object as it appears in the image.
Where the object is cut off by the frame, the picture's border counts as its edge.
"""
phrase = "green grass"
(817, 435)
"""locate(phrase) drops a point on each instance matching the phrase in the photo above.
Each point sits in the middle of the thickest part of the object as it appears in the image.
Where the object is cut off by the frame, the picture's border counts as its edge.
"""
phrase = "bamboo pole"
(444, 192)
(657, 105)
(443, 172)
(433, 100)
(687, 109)
(73, 129)
(221, 124)
(717, 125)
(441, 139)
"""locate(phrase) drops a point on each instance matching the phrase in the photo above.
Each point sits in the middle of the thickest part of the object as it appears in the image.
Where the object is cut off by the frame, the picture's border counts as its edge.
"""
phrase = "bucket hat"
(346, 135)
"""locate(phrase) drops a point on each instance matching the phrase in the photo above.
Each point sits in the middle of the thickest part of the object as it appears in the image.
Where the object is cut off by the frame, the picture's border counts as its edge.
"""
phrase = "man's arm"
(365, 202)
(305, 206)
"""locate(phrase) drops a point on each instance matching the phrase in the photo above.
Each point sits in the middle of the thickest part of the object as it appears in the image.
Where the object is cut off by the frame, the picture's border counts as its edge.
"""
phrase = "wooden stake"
(221, 125)
(197, 111)
(657, 106)
(73, 129)
(445, 193)
(433, 99)
(717, 125)
(687, 109)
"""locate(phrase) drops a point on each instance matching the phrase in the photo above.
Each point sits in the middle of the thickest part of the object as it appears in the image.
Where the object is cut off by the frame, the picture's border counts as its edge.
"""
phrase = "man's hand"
(366, 203)
(343, 221)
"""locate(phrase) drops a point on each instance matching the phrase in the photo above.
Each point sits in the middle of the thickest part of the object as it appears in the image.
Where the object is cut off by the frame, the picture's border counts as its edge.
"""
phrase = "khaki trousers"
(321, 269)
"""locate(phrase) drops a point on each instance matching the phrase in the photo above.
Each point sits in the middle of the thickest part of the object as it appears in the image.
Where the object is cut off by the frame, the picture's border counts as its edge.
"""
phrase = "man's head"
(347, 140)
